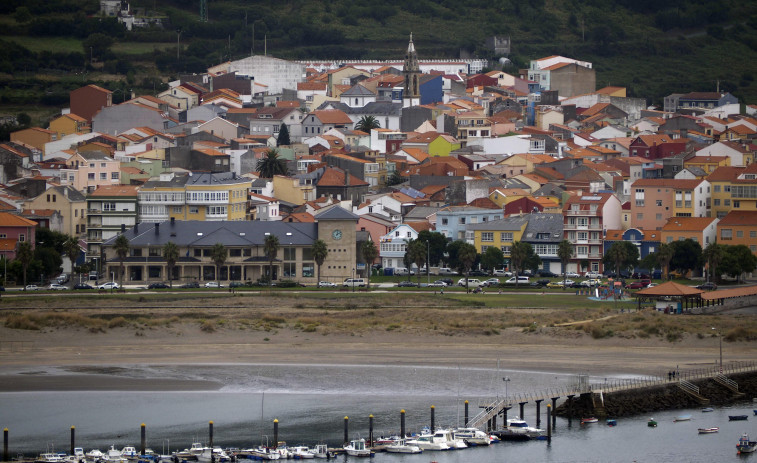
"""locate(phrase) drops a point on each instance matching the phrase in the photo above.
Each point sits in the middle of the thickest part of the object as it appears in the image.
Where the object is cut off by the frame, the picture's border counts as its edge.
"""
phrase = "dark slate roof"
(176, 181)
(231, 233)
(358, 90)
(226, 178)
(72, 195)
(539, 223)
(377, 108)
(508, 223)
(336, 213)
(550, 189)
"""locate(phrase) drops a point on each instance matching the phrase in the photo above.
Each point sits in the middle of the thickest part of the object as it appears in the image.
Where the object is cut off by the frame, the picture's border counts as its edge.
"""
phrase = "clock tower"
(337, 228)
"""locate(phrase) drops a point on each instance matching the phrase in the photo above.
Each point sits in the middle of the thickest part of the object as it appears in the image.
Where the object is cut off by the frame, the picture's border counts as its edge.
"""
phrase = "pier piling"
(73, 439)
(522, 404)
(142, 445)
(402, 424)
(432, 418)
(554, 407)
(370, 430)
(275, 433)
(466, 413)
(538, 412)
(5, 445)
(346, 429)
(494, 422)
(549, 423)
(210, 434)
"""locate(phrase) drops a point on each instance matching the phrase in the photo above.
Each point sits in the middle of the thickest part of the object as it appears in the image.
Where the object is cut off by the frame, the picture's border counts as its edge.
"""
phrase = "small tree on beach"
(320, 252)
(370, 253)
(219, 254)
(271, 250)
(121, 247)
(170, 255)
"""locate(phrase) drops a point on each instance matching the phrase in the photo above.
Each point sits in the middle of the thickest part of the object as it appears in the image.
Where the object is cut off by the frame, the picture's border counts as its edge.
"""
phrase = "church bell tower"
(412, 73)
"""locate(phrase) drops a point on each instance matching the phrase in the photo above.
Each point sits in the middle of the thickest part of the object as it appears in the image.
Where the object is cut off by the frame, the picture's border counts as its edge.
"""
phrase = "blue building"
(452, 221)
(647, 242)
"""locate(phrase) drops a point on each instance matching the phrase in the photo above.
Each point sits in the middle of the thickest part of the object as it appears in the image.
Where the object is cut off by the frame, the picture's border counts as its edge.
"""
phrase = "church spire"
(412, 73)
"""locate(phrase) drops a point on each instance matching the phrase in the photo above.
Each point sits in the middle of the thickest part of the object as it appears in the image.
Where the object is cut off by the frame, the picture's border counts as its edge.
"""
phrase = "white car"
(502, 273)
(213, 284)
(56, 287)
(491, 282)
(437, 284)
(326, 284)
(521, 280)
(109, 285)
(572, 275)
(31, 288)
(593, 275)
(591, 282)
(472, 282)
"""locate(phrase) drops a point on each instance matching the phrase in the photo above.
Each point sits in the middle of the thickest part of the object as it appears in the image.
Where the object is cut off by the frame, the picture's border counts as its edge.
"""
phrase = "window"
(506, 236)
(739, 233)
(445, 221)
(109, 207)
(658, 202)
(487, 236)
(194, 210)
(21, 237)
(716, 202)
(752, 234)
(153, 271)
(716, 188)
(114, 175)
(736, 204)
(177, 209)
(726, 234)
(461, 221)
(640, 216)
(91, 176)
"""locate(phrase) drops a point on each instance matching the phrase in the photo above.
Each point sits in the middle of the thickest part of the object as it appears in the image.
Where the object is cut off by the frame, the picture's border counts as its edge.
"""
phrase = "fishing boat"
(516, 425)
(301, 452)
(652, 423)
(745, 445)
(114, 455)
(213, 455)
(589, 420)
(356, 448)
(682, 418)
(472, 436)
(612, 422)
(322, 451)
(708, 409)
(449, 437)
(738, 417)
(49, 457)
(708, 430)
(401, 446)
(260, 453)
(427, 441)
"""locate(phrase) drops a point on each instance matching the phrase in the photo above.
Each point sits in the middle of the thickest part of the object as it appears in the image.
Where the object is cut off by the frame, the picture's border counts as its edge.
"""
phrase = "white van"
(446, 271)
(351, 282)
(521, 280)
(402, 271)
(472, 283)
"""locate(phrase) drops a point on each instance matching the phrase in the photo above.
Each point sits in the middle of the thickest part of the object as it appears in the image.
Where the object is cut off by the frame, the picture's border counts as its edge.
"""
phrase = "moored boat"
(519, 426)
(708, 409)
(50, 457)
(745, 445)
(472, 436)
(356, 448)
(401, 446)
(260, 453)
(708, 430)
(322, 451)
(612, 422)
(652, 423)
(453, 442)
(682, 418)
(301, 452)
(589, 420)
(738, 417)
(429, 442)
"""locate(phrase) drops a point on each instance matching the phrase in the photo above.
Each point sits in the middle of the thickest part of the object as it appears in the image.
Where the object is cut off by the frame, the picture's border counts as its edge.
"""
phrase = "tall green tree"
(621, 255)
(24, 255)
(713, 255)
(369, 251)
(283, 138)
(72, 250)
(272, 164)
(466, 256)
(121, 248)
(664, 255)
(320, 253)
(367, 123)
(271, 250)
(522, 257)
(417, 251)
(564, 253)
(171, 256)
(492, 258)
(437, 245)
(218, 254)
(50, 259)
(737, 260)
(687, 255)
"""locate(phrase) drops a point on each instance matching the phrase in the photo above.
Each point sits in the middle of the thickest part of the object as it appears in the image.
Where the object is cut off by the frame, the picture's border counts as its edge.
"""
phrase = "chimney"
(157, 229)
(346, 178)
(123, 228)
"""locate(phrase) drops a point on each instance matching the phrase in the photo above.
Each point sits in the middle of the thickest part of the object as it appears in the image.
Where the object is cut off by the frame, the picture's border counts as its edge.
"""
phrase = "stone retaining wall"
(728, 304)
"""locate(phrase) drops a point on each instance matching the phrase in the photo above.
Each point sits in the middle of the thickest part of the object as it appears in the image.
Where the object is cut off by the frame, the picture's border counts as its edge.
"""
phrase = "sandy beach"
(81, 351)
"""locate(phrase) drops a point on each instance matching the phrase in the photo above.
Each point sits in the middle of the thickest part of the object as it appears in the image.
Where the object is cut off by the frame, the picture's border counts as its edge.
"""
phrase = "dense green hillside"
(653, 48)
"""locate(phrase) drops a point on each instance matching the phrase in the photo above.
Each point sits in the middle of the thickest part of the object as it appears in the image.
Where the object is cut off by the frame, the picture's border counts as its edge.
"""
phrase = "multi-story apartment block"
(220, 196)
(739, 227)
(733, 188)
(453, 221)
(499, 233)
(472, 124)
(109, 208)
(655, 200)
(585, 220)
(88, 170)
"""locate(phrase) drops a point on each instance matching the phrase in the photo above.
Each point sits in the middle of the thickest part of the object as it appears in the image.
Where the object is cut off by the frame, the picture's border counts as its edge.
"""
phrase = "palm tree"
(664, 255)
(271, 164)
(417, 251)
(564, 253)
(713, 255)
(369, 254)
(24, 254)
(171, 255)
(466, 256)
(320, 252)
(367, 123)
(519, 254)
(121, 247)
(219, 253)
(617, 254)
(271, 249)
(72, 250)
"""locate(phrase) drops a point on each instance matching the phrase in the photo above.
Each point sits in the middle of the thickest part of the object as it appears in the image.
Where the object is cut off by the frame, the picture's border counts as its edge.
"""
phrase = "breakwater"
(670, 395)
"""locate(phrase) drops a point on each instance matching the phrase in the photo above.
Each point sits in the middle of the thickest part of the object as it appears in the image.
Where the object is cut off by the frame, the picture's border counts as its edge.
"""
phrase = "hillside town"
(382, 153)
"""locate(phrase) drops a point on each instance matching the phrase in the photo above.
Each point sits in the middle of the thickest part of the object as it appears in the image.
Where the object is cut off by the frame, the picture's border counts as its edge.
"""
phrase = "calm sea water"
(311, 402)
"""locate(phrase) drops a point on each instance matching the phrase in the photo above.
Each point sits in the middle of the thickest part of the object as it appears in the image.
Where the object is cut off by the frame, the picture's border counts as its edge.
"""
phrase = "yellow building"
(500, 233)
(69, 124)
(294, 190)
(503, 196)
(707, 163)
(219, 196)
(733, 188)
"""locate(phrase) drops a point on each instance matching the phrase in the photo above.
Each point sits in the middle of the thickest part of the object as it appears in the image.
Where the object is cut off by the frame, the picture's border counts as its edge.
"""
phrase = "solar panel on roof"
(591, 198)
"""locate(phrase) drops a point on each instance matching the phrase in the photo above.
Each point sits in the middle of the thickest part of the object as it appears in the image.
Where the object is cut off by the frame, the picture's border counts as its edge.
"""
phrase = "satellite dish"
(503, 61)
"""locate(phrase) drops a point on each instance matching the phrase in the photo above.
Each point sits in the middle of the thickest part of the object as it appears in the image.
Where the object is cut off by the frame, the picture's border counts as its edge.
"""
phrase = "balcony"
(203, 202)
(596, 227)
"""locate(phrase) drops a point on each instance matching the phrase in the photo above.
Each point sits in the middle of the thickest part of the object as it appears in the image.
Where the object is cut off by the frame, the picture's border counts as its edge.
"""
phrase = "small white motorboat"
(401, 446)
(708, 430)
(322, 451)
(429, 442)
(682, 418)
(301, 453)
(356, 448)
(50, 457)
(473, 436)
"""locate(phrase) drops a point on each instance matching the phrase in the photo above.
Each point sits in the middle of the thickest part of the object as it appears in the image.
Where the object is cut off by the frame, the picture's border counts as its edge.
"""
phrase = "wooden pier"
(492, 408)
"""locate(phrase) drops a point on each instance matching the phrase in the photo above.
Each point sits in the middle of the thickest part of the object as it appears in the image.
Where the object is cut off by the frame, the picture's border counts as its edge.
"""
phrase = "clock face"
(337, 234)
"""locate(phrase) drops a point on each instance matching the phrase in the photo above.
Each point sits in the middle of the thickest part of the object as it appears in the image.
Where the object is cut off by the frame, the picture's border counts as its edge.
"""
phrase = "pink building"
(13, 230)
(655, 200)
(586, 218)
(88, 170)
(376, 225)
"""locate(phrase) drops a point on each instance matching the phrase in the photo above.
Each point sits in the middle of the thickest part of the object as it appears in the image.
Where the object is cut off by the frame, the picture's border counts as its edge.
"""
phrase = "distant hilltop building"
(569, 77)
(499, 44)
(459, 66)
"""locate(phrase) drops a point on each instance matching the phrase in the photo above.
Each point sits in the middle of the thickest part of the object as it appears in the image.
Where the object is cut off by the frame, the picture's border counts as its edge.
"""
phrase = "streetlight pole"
(353, 279)
(506, 379)
(720, 338)
(428, 262)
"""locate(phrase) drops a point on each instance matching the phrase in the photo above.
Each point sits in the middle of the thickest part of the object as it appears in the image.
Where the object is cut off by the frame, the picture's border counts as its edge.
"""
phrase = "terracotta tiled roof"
(683, 184)
(730, 292)
(332, 116)
(420, 226)
(736, 218)
(670, 288)
(115, 190)
(688, 223)
(335, 177)
(210, 152)
(12, 220)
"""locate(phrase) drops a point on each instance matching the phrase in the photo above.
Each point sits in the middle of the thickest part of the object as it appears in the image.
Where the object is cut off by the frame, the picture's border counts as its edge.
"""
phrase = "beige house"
(293, 190)
(71, 204)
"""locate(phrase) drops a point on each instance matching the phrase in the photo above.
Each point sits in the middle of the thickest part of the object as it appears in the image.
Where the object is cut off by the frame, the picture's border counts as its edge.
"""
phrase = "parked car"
(438, 284)
(237, 284)
(56, 287)
(541, 283)
(591, 282)
(521, 280)
(403, 271)
(546, 274)
(639, 284)
(572, 275)
(109, 285)
(491, 282)
(446, 271)
(157, 286)
(593, 275)
(213, 284)
(447, 281)
(472, 282)
(31, 288)
(326, 284)
(502, 273)
(83, 286)
(709, 286)
(560, 283)
(62, 278)
(191, 284)
(477, 273)
(640, 276)
(406, 284)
